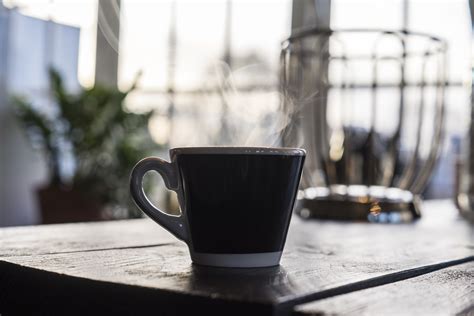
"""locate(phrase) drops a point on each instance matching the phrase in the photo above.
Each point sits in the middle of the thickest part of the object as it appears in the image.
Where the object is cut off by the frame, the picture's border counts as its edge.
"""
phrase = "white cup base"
(247, 260)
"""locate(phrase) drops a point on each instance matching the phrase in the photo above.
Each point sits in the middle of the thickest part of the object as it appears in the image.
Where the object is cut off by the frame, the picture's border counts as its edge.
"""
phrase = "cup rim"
(223, 150)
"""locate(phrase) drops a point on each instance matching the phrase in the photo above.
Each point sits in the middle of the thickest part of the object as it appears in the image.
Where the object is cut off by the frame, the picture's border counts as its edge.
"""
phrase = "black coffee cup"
(236, 202)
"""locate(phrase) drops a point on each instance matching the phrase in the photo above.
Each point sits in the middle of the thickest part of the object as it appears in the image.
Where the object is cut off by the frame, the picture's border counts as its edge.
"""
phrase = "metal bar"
(394, 143)
(347, 142)
(390, 159)
(320, 31)
(370, 159)
(319, 117)
(438, 134)
(408, 173)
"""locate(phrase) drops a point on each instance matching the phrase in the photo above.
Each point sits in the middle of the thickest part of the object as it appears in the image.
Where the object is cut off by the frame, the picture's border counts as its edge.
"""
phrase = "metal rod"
(438, 134)
(319, 31)
(409, 171)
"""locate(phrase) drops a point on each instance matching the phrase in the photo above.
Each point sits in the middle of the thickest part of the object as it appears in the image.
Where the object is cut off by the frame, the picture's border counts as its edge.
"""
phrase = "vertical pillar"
(108, 34)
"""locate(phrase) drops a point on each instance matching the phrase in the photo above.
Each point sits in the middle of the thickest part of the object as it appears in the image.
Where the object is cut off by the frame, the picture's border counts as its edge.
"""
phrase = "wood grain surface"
(144, 264)
(51, 239)
(445, 292)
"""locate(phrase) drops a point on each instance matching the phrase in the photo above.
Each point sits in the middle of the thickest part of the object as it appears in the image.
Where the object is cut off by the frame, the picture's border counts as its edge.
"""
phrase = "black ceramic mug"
(236, 202)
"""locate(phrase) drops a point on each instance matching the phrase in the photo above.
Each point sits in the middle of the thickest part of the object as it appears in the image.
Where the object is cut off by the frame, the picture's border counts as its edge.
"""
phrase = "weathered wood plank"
(372, 282)
(319, 256)
(168, 268)
(446, 292)
(44, 239)
(369, 250)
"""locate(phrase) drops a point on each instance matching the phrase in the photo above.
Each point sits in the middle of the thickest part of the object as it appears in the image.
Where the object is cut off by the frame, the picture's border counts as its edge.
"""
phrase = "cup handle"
(172, 223)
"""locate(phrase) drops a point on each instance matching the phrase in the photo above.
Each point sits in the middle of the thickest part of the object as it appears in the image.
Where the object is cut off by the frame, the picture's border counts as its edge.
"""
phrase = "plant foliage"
(105, 139)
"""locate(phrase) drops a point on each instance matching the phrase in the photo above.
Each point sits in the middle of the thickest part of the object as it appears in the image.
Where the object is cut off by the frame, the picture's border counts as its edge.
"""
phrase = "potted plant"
(102, 140)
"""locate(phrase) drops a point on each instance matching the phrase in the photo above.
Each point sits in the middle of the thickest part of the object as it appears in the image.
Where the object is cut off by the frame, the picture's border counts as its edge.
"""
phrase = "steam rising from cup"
(240, 107)
(243, 107)
(255, 114)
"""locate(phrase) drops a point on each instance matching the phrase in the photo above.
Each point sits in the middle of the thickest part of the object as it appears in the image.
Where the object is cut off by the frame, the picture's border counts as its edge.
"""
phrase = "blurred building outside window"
(28, 47)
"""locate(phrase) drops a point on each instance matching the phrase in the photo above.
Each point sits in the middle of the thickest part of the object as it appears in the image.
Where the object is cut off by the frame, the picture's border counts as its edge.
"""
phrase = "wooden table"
(135, 267)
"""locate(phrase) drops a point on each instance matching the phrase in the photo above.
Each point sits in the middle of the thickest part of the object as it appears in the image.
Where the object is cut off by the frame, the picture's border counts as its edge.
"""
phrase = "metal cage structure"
(368, 106)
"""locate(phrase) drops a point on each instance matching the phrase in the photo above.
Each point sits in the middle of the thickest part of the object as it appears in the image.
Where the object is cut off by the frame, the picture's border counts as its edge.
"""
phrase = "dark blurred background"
(87, 88)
